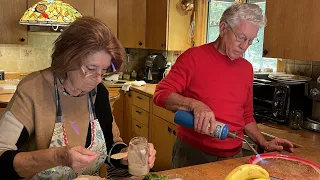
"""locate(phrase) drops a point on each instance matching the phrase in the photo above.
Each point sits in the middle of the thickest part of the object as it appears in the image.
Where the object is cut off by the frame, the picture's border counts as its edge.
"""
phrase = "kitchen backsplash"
(304, 68)
(36, 55)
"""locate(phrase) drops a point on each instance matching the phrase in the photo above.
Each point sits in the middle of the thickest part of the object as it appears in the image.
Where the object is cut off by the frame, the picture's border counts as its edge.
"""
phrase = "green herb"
(155, 177)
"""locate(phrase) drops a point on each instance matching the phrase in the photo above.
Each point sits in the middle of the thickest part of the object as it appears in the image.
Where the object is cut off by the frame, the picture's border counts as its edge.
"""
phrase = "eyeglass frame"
(245, 39)
(96, 74)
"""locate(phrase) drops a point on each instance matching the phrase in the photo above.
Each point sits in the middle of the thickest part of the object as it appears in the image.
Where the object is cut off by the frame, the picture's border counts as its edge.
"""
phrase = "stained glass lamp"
(52, 13)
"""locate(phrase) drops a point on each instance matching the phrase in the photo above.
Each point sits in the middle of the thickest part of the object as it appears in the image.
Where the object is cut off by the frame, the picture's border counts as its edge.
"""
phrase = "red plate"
(255, 159)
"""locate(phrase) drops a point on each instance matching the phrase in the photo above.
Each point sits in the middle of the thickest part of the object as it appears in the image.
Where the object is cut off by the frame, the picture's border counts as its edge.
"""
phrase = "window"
(254, 52)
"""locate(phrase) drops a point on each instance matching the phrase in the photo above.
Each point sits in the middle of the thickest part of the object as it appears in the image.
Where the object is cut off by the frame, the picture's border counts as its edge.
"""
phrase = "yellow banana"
(248, 172)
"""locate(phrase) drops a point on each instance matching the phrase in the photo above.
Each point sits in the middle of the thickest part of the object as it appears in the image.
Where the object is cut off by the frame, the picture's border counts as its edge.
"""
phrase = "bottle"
(186, 119)
(120, 75)
(133, 75)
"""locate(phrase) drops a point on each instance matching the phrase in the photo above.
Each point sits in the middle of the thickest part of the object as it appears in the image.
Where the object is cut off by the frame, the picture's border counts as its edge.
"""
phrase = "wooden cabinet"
(162, 137)
(292, 31)
(153, 24)
(132, 23)
(156, 29)
(167, 26)
(143, 118)
(107, 11)
(85, 7)
(117, 105)
(127, 117)
(10, 29)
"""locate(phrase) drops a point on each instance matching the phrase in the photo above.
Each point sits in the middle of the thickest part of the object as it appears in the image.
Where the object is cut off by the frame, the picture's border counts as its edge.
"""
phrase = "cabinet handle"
(174, 132)
(129, 95)
(163, 45)
(265, 52)
(138, 112)
(22, 39)
(140, 43)
(169, 129)
(139, 97)
(138, 126)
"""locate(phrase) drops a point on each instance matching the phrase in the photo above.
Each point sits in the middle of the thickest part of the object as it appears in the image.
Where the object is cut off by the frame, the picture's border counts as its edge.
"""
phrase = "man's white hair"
(241, 11)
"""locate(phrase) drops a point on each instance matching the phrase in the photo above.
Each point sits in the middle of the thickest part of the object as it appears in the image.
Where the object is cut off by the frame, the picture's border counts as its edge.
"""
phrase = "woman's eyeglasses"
(93, 71)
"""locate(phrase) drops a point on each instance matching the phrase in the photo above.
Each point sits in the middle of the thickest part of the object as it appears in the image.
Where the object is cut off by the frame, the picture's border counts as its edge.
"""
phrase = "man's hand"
(278, 144)
(204, 119)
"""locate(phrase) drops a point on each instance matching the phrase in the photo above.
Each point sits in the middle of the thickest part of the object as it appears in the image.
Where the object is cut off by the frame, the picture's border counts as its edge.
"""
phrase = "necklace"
(65, 92)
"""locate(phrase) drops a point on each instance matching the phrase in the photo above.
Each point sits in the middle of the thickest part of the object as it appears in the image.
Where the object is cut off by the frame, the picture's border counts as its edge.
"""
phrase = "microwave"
(272, 101)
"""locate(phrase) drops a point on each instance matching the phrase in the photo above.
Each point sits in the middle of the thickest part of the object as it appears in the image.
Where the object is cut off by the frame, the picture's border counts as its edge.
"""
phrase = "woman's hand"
(151, 158)
(77, 157)
(152, 155)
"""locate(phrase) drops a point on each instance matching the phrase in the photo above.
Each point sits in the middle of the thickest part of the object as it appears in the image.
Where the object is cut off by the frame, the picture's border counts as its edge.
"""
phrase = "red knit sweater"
(203, 73)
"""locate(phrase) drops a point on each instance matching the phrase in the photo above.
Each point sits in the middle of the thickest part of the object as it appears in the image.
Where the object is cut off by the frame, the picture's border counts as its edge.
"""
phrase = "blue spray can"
(186, 119)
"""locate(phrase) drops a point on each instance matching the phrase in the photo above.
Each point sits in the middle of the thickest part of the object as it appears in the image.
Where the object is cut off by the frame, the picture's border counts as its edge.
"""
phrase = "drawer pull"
(138, 126)
(138, 112)
(139, 97)
(169, 129)
(174, 133)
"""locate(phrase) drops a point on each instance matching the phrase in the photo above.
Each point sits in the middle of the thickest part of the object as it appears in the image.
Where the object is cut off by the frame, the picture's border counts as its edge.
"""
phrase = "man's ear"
(223, 27)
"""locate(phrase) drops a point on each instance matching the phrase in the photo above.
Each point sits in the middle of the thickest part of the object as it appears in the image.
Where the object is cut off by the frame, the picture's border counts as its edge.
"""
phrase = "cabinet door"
(163, 137)
(156, 24)
(85, 7)
(117, 107)
(10, 29)
(292, 30)
(107, 11)
(132, 23)
(178, 28)
(127, 117)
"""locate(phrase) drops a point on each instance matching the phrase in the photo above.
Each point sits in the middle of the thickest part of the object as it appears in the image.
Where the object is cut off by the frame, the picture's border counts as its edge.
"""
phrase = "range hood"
(52, 13)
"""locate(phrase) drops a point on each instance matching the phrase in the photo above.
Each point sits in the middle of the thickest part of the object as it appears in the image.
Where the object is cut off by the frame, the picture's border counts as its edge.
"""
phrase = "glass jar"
(138, 155)
(295, 119)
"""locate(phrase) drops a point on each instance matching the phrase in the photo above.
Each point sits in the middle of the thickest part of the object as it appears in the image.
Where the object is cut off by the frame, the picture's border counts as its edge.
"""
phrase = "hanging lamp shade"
(53, 13)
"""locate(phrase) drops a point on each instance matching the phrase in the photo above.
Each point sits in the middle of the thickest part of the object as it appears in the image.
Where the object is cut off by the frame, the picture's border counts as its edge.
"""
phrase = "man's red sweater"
(225, 85)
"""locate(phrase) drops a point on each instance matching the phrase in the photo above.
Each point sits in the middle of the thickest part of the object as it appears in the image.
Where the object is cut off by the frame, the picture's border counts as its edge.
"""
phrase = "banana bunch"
(248, 172)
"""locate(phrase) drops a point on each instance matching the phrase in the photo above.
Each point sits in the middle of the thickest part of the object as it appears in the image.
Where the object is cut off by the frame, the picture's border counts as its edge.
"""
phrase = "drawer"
(140, 115)
(139, 129)
(163, 113)
(140, 100)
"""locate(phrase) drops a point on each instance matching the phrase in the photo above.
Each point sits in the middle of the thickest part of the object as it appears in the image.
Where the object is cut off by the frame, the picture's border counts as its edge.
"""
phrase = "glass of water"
(138, 155)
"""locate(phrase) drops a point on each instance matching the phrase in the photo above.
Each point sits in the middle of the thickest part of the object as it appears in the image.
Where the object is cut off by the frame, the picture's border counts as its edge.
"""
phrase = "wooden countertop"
(147, 90)
(114, 94)
(307, 146)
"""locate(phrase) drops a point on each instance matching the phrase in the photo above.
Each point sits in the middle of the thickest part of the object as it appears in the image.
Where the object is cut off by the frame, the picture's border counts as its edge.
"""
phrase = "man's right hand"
(204, 118)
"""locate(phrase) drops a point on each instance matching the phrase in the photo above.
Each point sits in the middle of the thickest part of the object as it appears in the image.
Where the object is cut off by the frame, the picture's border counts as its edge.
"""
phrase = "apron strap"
(59, 109)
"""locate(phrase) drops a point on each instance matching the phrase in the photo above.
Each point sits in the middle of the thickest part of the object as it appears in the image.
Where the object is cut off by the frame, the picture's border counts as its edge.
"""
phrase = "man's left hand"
(278, 144)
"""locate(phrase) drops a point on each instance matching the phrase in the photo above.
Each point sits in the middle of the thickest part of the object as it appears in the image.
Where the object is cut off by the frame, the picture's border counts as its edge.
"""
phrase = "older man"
(215, 83)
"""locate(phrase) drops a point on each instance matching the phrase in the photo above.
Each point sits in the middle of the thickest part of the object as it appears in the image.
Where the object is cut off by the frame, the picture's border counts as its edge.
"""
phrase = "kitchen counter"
(307, 146)
(114, 93)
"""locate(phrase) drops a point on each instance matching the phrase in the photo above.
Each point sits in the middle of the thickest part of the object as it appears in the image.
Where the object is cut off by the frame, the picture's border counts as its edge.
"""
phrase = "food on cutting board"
(158, 177)
(289, 169)
(86, 177)
(248, 172)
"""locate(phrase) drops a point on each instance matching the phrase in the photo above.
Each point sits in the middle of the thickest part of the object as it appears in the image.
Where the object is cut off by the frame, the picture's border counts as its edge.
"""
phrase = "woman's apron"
(60, 139)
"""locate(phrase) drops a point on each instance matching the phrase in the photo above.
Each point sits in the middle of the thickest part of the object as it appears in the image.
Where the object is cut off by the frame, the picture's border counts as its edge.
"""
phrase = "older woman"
(58, 124)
